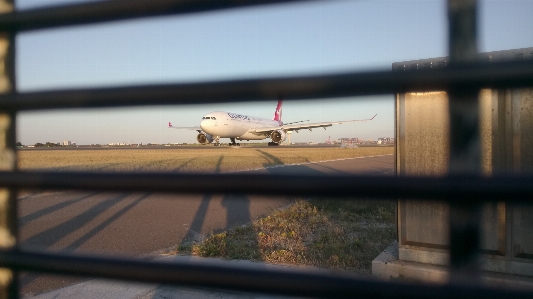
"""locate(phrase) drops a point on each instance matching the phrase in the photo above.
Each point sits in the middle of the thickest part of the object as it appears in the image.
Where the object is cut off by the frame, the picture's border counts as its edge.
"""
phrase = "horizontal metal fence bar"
(103, 11)
(451, 188)
(494, 75)
(287, 282)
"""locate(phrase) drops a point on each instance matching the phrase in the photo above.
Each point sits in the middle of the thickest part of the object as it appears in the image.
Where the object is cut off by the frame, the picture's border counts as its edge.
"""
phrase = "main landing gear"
(233, 142)
(273, 144)
(217, 141)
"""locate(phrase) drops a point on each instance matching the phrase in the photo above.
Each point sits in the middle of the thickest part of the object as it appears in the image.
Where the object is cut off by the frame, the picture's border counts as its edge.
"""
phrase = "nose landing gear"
(217, 141)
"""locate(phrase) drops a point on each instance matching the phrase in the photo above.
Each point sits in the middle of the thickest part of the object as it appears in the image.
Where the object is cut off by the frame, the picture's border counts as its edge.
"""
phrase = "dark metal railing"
(494, 75)
(289, 282)
(453, 188)
(463, 74)
(115, 10)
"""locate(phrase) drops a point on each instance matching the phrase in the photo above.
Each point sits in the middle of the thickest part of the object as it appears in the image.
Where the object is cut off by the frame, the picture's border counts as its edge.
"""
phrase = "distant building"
(350, 140)
(66, 143)
(386, 140)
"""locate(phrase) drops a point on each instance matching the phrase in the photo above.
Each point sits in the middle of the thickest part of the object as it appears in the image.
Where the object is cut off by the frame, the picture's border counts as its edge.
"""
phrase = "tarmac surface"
(147, 224)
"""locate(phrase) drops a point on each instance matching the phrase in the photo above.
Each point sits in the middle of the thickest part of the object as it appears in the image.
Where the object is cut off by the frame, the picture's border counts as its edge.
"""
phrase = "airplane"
(220, 124)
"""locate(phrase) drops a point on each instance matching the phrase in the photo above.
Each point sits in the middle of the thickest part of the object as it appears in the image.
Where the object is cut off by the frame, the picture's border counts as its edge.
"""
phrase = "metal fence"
(462, 79)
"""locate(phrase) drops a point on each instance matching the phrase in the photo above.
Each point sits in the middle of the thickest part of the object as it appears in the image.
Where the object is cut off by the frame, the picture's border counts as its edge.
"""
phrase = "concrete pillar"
(422, 136)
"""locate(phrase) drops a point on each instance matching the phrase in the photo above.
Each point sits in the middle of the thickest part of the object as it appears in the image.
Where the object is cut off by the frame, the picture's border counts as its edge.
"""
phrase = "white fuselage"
(233, 125)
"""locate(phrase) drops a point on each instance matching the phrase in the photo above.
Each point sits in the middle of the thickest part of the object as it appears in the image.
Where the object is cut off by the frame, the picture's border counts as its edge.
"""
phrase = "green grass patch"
(328, 233)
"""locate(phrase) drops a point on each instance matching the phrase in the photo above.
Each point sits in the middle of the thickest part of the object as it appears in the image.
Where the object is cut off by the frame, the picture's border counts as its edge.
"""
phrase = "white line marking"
(307, 163)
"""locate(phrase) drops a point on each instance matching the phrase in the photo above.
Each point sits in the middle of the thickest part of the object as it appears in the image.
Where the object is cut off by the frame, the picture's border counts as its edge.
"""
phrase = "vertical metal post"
(8, 208)
(465, 146)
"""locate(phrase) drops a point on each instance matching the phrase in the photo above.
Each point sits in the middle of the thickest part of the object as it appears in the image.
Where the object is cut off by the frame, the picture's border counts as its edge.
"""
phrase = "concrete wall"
(423, 149)
(422, 133)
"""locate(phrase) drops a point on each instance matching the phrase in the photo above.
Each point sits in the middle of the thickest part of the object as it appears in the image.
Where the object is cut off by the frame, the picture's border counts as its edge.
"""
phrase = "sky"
(283, 40)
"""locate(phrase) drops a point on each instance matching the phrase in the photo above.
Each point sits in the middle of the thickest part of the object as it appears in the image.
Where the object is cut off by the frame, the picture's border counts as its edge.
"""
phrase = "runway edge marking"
(307, 163)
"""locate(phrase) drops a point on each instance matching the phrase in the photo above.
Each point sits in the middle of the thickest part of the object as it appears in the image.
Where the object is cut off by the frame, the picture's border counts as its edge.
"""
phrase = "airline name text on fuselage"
(238, 116)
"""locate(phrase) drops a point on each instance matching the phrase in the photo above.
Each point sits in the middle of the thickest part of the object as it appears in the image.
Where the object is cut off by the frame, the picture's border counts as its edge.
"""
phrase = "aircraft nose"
(204, 123)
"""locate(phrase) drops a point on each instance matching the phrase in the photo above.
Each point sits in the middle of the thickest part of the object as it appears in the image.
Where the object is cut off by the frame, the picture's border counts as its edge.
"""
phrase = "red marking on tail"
(169, 125)
(277, 114)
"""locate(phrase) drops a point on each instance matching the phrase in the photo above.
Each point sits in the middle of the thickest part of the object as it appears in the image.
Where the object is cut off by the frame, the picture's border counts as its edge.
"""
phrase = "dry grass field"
(338, 235)
(209, 160)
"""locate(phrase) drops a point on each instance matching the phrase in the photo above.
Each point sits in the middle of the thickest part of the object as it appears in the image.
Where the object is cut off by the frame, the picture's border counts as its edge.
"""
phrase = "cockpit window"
(209, 117)
(213, 118)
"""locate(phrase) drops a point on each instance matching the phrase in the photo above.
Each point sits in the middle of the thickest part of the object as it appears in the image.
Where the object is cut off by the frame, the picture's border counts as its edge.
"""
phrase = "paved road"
(145, 224)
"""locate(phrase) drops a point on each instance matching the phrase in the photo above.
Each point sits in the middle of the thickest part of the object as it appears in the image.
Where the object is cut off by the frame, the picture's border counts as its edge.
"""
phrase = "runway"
(194, 147)
(145, 224)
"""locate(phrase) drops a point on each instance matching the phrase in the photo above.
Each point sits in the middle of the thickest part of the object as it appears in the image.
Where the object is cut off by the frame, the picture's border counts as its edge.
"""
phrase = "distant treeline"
(48, 144)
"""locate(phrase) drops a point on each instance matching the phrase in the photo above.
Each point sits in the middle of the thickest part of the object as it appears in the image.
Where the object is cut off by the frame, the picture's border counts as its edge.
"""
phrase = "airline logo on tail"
(277, 114)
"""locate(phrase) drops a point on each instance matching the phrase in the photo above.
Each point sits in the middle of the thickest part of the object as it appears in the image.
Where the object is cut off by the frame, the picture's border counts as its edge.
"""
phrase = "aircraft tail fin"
(277, 114)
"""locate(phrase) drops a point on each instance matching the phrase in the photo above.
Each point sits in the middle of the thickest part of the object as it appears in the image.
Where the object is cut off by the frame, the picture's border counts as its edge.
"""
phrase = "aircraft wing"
(170, 126)
(309, 126)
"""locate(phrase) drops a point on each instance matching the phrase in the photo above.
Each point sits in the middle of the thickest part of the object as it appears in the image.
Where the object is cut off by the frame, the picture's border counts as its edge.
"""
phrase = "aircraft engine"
(278, 136)
(204, 138)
